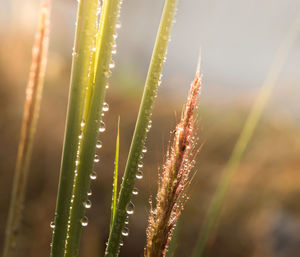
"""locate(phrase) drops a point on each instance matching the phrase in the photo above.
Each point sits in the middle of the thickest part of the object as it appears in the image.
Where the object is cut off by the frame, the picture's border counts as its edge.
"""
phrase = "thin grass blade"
(142, 126)
(115, 183)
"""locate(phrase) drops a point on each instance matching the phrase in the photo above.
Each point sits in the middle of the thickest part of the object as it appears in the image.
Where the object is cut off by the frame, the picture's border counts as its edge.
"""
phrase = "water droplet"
(121, 244)
(126, 220)
(82, 124)
(84, 221)
(107, 74)
(107, 86)
(111, 64)
(105, 107)
(130, 208)
(125, 231)
(93, 175)
(102, 126)
(135, 191)
(80, 136)
(99, 144)
(144, 149)
(89, 192)
(52, 224)
(139, 174)
(96, 160)
(76, 163)
(114, 51)
(87, 204)
(140, 164)
(118, 25)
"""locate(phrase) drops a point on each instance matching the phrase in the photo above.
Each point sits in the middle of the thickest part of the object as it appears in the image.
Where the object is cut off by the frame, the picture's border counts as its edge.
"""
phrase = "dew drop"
(84, 221)
(80, 136)
(130, 208)
(96, 160)
(82, 124)
(140, 164)
(107, 86)
(105, 107)
(102, 126)
(144, 149)
(89, 192)
(125, 231)
(99, 144)
(111, 64)
(87, 204)
(118, 25)
(127, 220)
(139, 174)
(114, 51)
(52, 224)
(135, 191)
(107, 74)
(93, 175)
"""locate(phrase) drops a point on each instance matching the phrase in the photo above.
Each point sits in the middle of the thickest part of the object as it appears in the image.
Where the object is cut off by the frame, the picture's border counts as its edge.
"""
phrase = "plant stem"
(87, 149)
(31, 113)
(83, 45)
(143, 121)
(215, 207)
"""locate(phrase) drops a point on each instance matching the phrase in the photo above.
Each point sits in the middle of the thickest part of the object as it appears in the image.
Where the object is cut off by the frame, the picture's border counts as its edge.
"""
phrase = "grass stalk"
(261, 101)
(84, 43)
(142, 126)
(93, 104)
(31, 113)
(174, 179)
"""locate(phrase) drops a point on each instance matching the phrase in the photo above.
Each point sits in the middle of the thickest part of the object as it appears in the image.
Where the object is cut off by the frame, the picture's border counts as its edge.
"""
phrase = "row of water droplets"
(139, 175)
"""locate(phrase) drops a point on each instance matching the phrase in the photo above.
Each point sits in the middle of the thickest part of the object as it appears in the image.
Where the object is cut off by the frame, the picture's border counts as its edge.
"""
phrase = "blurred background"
(238, 40)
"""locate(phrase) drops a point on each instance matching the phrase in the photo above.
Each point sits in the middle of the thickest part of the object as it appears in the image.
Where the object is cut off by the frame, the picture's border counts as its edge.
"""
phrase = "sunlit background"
(238, 41)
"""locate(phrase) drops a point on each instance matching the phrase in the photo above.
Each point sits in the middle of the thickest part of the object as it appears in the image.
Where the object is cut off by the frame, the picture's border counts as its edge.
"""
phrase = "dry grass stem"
(31, 112)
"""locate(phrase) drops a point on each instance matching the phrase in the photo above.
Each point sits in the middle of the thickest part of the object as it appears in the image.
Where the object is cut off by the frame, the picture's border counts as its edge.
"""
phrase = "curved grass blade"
(115, 183)
(142, 126)
(245, 137)
(82, 52)
(31, 113)
(93, 104)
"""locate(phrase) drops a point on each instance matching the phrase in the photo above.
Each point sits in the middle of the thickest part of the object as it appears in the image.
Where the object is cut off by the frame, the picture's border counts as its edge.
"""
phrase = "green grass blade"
(143, 121)
(94, 102)
(115, 183)
(245, 137)
(31, 113)
(83, 45)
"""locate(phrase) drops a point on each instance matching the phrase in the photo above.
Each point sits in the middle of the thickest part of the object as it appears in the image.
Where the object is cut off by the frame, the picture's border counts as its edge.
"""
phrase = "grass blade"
(245, 137)
(31, 112)
(115, 183)
(82, 52)
(93, 106)
(142, 126)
